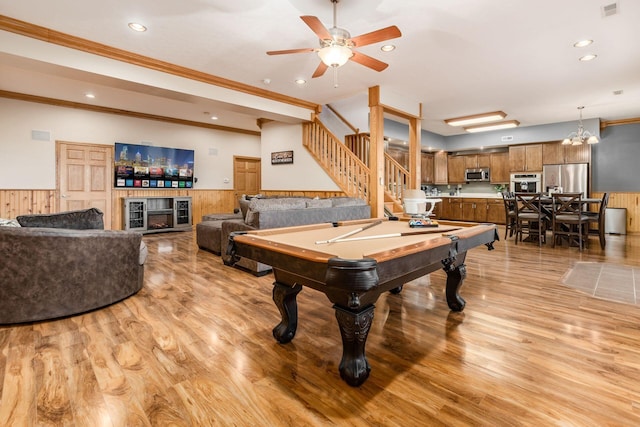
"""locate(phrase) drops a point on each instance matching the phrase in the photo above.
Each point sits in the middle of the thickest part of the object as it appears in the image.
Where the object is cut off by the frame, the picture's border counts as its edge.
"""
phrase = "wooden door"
(246, 176)
(84, 175)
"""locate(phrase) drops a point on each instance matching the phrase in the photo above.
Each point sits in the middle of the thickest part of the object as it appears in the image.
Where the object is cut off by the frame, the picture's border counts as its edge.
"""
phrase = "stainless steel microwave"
(476, 174)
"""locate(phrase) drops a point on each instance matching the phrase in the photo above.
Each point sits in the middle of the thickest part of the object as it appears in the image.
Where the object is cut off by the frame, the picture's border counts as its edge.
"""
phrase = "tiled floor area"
(606, 281)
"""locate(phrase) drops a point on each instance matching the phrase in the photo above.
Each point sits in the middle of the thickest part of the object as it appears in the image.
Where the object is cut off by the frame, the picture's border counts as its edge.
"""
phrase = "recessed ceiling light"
(214, 117)
(387, 48)
(582, 43)
(266, 81)
(476, 118)
(137, 27)
(589, 57)
(89, 95)
(300, 81)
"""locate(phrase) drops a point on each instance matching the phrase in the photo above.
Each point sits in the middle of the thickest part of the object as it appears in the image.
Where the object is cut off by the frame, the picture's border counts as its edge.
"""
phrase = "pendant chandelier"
(581, 136)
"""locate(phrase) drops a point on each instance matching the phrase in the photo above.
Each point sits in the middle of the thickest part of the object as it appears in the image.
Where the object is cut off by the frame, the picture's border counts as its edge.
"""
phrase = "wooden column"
(376, 152)
(415, 151)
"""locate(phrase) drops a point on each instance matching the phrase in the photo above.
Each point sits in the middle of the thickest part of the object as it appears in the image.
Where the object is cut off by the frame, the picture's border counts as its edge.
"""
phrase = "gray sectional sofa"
(62, 264)
(275, 212)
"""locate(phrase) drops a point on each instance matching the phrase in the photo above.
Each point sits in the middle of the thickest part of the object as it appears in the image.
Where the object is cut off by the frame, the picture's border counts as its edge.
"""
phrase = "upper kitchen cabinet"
(440, 168)
(426, 168)
(499, 168)
(476, 161)
(456, 167)
(554, 153)
(525, 158)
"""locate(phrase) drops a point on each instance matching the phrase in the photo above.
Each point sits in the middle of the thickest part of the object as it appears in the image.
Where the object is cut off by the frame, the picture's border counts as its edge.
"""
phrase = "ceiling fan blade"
(381, 35)
(322, 67)
(368, 61)
(284, 52)
(317, 27)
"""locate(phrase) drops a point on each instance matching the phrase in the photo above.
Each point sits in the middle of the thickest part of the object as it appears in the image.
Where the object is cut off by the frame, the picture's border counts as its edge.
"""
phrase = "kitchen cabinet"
(450, 208)
(495, 211)
(525, 158)
(455, 166)
(554, 153)
(499, 168)
(399, 155)
(476, 161)
(440, 168)
(427, 168)
(474, 210)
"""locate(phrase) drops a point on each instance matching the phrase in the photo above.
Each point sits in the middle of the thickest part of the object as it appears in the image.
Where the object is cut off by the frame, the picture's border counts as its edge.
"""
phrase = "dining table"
(546, 202)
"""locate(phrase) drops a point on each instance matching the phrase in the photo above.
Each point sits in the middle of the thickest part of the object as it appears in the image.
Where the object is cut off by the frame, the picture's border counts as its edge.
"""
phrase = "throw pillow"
(9, 223)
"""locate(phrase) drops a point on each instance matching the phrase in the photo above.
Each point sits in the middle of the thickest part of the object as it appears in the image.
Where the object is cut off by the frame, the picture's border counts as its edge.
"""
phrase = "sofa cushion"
(9, 223)
(86, 219)
(319, 203)
(283, 204)
(346, 201)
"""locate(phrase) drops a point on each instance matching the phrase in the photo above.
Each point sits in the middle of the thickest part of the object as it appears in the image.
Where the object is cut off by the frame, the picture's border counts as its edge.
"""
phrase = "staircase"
(348, 165)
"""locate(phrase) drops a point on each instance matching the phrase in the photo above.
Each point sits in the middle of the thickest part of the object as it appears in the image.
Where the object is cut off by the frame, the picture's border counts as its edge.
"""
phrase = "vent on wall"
(41, 135)
(609, 9)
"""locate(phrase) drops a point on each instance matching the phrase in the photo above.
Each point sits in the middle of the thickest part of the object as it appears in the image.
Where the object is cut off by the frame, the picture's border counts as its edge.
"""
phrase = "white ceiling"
(456, 57)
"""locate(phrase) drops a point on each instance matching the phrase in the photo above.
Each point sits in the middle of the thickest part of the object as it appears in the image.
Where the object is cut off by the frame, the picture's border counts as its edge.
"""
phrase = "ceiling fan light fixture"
(335, 55)
(476, 119)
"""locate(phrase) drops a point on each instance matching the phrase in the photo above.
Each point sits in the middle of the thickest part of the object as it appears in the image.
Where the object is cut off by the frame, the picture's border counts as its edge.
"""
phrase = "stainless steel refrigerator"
(572, 178)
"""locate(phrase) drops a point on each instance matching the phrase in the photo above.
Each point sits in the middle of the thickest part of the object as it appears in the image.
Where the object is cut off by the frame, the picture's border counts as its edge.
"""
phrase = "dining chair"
(509, 202)
(530, 217)
(598, 219)
(568, 220)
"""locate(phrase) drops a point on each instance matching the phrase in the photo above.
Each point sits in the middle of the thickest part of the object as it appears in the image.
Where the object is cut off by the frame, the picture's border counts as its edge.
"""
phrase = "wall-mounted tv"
(146, 166)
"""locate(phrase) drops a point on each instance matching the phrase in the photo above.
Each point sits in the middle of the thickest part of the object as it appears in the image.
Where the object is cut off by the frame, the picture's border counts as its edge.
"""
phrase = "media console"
(156, 214)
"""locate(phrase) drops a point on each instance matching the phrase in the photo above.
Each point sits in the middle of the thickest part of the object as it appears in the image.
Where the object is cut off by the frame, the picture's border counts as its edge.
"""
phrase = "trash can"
(615, 221)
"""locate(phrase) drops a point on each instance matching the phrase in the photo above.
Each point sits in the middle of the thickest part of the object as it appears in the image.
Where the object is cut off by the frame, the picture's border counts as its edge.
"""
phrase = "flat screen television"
(146, 166)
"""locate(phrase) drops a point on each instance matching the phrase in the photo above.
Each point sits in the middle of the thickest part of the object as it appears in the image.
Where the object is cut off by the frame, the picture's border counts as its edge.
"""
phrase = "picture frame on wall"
(282, 157)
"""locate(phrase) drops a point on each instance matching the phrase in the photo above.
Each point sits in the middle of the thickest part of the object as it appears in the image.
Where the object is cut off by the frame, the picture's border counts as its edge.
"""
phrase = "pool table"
(373, 256)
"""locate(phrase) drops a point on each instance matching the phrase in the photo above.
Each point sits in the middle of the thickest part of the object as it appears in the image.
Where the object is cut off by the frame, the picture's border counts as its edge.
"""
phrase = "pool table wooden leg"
(456, 272)
(285, 298)
(354, 328)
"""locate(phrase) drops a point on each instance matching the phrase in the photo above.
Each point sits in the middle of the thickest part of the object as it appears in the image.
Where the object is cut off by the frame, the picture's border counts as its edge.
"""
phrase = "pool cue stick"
(384, 236)
(351, 233)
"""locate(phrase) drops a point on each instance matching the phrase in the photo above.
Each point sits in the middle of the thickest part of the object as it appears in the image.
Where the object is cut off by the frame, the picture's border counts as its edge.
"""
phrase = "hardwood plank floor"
(194, 348)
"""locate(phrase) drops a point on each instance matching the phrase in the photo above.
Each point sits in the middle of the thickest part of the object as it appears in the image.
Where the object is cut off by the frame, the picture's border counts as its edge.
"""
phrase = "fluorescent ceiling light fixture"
(387, 48)
(476, 118)
(588, 57)
(137, 27)
(582, 43)
(493, 126)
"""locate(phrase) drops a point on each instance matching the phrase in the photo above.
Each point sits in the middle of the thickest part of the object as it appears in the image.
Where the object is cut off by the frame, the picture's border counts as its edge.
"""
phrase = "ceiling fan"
(337, 45)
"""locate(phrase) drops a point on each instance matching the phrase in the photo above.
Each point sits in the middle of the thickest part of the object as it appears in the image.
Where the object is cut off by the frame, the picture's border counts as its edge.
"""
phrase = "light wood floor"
(194, 348)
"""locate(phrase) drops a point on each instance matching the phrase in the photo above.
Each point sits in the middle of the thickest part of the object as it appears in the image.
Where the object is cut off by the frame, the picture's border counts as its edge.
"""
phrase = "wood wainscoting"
(22, 202)
(628, 201)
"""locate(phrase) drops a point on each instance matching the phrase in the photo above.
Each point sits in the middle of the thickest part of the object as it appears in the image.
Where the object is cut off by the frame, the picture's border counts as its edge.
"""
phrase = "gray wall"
(615, 159)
